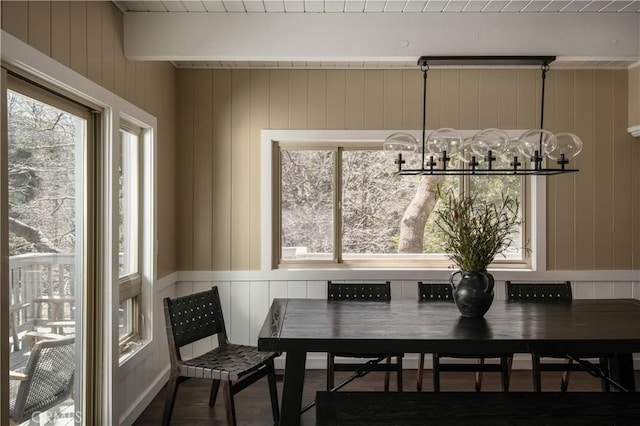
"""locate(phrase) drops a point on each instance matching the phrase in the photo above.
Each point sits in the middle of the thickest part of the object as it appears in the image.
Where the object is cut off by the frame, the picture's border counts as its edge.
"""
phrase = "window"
(339, 202)
(129, 235)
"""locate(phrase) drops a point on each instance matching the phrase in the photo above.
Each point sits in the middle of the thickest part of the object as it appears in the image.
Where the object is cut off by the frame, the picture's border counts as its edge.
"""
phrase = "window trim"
(269, 151)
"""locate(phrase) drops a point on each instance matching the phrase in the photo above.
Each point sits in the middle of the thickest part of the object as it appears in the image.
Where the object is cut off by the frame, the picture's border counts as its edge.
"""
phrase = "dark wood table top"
(318, 325)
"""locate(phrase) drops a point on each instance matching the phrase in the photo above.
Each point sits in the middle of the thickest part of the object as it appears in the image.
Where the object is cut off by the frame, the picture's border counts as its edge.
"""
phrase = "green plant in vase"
(474, 232)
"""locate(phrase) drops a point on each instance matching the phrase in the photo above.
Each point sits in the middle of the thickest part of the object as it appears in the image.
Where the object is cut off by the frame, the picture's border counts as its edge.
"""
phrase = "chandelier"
(490, 151)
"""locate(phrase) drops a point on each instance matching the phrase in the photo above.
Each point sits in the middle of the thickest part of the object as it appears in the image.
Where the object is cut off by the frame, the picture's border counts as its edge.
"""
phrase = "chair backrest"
(363, 292)
(435, 292)
(193, 317)
(539, 291)
(49, 370)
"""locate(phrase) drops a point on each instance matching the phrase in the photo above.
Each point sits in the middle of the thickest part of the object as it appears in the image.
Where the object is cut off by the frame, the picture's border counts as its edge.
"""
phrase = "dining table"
(296, 327)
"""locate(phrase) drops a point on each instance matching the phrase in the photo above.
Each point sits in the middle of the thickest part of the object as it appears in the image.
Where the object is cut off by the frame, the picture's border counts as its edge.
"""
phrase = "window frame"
(533, 205)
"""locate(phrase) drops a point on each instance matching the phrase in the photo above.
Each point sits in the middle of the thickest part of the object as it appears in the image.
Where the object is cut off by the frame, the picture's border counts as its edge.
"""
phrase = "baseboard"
(145, 398)
(318, 361)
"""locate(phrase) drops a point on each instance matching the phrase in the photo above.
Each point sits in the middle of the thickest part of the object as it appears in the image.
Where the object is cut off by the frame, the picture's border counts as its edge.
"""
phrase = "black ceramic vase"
(473, 293)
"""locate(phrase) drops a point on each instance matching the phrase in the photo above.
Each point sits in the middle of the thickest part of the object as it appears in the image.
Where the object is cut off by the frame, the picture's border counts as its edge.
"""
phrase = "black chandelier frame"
(438, 166)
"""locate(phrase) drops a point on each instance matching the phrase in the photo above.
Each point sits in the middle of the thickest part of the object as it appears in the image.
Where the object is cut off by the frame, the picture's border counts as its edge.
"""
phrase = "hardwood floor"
(253, 407)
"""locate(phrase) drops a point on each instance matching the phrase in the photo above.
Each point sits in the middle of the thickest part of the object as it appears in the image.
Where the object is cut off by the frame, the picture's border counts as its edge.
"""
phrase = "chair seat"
(229, 362)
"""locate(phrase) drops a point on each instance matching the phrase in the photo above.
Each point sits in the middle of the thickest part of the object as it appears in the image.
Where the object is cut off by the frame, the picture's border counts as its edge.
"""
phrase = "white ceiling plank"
(174, 6)
(474, 6)
(435, 6)
(254, 6)
(236, 6)
(633, 7)
(455, 6)
(374, 6)
(274, 5)
(198, 6)
(294, 5)
(555, 5)
(615, 6)
(135, 6)
(594, 6)
(354, 6)
(155, 6)
(515, 6)
(495, 5)
(394, 6)
(415, 5)
(334, 6)
(535, 6)
(314, 6)
(576, 6)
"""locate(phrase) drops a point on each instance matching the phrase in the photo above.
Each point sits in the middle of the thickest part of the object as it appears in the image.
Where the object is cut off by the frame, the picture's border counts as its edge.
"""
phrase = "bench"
(485, 408)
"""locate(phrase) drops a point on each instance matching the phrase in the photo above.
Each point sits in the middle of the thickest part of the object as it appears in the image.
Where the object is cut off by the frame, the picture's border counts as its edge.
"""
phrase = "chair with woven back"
(198, 316)
(45, 382)
(551, 292)
(442, 293)
(362, 292)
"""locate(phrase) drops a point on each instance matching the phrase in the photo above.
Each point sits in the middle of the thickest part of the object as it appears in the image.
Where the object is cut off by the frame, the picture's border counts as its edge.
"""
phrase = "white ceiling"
(383, 6)
(379, 33)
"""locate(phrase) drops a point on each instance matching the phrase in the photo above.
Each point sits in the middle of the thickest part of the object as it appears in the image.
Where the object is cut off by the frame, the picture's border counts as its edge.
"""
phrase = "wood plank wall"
(634, 96)
(593, 216)
(87, 36)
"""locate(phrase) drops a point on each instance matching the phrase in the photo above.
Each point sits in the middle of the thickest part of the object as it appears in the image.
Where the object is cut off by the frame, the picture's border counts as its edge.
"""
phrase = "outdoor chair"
(442, 293)
(45, 382)
(552, 292)
(362, 292)
(195, 317)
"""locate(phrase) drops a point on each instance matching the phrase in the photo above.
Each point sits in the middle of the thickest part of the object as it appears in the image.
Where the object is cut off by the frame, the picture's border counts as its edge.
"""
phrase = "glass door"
(48, 140)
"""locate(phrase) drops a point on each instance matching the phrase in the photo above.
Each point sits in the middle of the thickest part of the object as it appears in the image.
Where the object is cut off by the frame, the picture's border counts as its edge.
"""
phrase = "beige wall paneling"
(317, 99)
(623, 171)
(40, 26)
(434, 100)
(259, 121)
(120, 62)
(336, 101)
(635, 155)
(392, 99)
(240, 176)
(565, 211)
(469, 99)
(488, 99)
(184, 198)
(141, 75)
(109, 19)
(279, 99)
(60, 32)
(373, 99)
(94, 41)
(15, 18)
(202, 170)
(603, 209)
(527, 116)
(549, 124)
(130, 80)
(507, 98)
(634, 96)
(585, 161)
(450, 99)
(298, 99)
(78, 36)
(411, 100)
(355, 100)
(221, 170)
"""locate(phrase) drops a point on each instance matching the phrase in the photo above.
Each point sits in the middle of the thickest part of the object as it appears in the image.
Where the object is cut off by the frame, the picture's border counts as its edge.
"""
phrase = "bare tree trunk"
(417, 214)
(31, 234)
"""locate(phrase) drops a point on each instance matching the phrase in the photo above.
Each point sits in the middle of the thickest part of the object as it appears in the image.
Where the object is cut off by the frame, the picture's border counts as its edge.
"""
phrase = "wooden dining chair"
(551, 292)
(442, 293)
(195, 317)
(362, 292)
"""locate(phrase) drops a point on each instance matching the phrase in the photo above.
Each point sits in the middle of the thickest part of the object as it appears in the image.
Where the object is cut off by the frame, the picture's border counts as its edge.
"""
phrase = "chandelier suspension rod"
(545, 68)
(425, 69)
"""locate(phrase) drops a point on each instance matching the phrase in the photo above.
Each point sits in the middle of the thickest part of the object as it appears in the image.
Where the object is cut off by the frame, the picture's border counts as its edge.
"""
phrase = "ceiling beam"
(381, 37)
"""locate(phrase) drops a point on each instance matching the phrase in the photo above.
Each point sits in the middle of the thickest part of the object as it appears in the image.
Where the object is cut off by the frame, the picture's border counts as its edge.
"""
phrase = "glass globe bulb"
(494, 140)
(400, 143)
(513, 153)
(444, 139)
(465, 152)
(568, 144)
(532, 140)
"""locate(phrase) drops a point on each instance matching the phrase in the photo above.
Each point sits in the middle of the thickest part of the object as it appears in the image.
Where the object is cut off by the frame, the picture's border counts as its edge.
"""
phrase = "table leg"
(292, 388)
(621, 370)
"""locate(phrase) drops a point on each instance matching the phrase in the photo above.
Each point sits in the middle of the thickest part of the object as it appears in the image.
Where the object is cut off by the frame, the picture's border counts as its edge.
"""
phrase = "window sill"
(135, 355)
